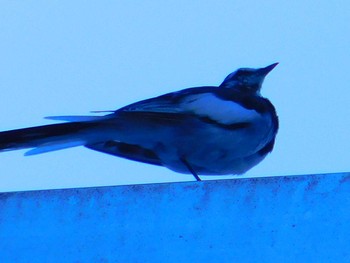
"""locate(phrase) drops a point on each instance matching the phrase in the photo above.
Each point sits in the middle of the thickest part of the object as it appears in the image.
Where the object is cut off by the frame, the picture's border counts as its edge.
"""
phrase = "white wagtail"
(203, 131)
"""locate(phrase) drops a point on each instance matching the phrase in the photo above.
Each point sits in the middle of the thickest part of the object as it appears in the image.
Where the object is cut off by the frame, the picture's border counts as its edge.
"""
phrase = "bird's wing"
(168, 103)
(212, 103)
(204, 102)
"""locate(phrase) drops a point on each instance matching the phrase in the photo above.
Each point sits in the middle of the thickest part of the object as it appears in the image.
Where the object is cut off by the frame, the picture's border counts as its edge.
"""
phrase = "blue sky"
(72, 57)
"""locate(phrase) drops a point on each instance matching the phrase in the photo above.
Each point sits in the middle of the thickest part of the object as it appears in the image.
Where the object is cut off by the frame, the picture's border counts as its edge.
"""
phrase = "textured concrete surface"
(277, 219)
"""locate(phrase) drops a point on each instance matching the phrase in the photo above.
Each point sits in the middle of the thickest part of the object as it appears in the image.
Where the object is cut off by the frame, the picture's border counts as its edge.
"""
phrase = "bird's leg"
(193, 172)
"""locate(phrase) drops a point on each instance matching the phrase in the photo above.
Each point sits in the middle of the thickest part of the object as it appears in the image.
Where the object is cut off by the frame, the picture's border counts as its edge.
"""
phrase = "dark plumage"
(204, 130)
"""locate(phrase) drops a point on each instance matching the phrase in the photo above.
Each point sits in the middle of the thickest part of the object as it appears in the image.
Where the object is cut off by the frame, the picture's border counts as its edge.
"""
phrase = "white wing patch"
(225, 112)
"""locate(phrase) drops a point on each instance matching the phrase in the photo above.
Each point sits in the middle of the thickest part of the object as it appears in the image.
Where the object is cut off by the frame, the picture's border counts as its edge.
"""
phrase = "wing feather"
(203, 102)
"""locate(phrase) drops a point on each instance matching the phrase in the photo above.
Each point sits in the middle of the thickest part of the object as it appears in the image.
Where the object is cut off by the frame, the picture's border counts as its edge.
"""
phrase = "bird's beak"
(266, 70)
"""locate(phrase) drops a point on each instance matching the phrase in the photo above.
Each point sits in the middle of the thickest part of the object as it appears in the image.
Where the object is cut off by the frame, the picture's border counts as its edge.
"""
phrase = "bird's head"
(247, 79)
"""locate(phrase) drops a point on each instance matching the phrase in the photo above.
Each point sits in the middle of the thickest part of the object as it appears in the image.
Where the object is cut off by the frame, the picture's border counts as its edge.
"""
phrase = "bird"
(207, 130)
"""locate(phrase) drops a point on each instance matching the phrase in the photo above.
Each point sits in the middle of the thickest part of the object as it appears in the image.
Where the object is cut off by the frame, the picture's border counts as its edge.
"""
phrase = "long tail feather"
(45, 138)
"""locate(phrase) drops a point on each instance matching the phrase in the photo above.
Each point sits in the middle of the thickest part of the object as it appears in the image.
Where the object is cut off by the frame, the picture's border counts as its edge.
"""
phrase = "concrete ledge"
(277, 219)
